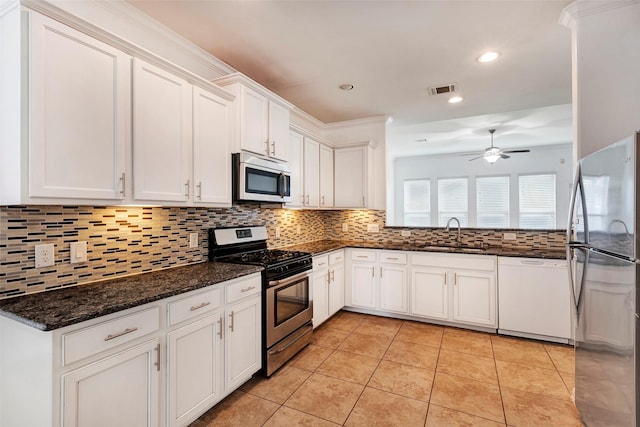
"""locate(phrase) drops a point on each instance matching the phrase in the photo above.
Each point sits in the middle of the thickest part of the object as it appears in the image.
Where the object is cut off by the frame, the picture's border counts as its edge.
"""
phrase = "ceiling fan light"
(492, 158)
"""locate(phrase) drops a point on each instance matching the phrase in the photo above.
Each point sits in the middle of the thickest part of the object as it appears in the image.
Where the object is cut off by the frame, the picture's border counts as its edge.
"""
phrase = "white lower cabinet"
(243, 341)
(377, 280)
(452, 287)
(328, 286)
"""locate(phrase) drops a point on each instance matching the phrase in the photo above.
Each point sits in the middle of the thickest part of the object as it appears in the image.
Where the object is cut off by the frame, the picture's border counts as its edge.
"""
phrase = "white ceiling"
(391, 51)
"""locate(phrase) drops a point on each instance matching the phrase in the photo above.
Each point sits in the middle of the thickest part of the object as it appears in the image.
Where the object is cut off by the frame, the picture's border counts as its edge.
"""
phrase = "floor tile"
(531, 379)
(521, 351)
(239, 409)
(287, 417)
(562, 356)
(420, 356)
(349, 367)
(443, 417)
(345, 321)
(420, 333)
(379, 408)
(528, 409)
(280, 386)
(311, 357)
(467, 342)
(404, 380)
(326, 336)
(379, 326)
(328, 398)
(366, 345)
(467, 365)
(469, 396)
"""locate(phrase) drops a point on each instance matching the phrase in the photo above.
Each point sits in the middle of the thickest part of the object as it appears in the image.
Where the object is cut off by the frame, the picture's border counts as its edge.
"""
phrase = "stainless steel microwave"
(256, 179)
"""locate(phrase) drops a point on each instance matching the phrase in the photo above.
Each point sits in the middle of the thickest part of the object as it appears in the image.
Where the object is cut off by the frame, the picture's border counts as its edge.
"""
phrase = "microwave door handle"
(283, 178)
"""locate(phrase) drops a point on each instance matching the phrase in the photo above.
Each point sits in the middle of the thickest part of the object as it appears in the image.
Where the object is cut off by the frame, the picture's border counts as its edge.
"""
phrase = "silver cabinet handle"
(199, 187)
(322, 201)
(186, 189)
(380, 272)
(328, 278)
(393, 259)
(373, 272)
(333, 275)
(362, 256)
(267, 149)
(455, 279)
(119, 334)
(220, 333)
(157, 363)
(122, 182)
(247, 289)
(231, 324)
(199, 306)
(445, 279)
(273, 148)
(363, 202)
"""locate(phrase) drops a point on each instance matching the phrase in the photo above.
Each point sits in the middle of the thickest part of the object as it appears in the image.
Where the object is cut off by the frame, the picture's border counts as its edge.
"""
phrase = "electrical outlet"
(298, 229)
(509, 236)
(78, 252)
(193, 240)
(345, 226)
(277, 232)
(45, 255)
(405, 233)
(373, 228)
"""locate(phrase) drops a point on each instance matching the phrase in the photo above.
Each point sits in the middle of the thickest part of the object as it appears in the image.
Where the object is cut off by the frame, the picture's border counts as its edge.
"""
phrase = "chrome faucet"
(447, 227)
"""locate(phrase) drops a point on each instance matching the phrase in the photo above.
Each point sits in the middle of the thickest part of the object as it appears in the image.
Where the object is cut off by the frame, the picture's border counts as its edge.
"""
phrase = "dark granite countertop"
(67, 306)
(322, 246)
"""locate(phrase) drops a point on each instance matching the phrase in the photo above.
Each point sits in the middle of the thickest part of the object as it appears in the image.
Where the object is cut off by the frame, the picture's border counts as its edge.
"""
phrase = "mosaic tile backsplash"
(129, 240)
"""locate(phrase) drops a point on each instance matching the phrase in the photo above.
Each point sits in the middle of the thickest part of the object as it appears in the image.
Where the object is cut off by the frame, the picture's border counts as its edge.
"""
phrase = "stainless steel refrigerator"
(603, 251)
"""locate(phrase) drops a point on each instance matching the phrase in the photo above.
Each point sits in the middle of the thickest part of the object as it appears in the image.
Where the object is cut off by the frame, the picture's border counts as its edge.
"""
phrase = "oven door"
(288, 306)
(260, 183)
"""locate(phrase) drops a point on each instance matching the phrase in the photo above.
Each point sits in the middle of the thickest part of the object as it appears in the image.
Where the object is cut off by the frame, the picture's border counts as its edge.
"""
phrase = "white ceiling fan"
(492, 154)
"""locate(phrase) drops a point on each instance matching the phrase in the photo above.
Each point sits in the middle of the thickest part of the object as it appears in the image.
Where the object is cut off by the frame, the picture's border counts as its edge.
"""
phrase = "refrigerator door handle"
(570, 245)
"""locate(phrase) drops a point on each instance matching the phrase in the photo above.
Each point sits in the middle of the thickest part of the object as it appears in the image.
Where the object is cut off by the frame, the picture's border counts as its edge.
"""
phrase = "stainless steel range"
(286, 306)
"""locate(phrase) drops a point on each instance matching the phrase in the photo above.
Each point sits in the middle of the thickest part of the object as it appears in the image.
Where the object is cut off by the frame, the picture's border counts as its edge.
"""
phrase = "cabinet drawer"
(103, 336)
(363, 256)
(392, 258)
(243, 288)
(336, 257)
(320, 262)
(194, 305)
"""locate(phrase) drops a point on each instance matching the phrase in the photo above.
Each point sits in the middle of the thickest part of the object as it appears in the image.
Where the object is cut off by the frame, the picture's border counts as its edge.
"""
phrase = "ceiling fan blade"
(517, 151)
(504, 156)
(476, 158)
(470, 154)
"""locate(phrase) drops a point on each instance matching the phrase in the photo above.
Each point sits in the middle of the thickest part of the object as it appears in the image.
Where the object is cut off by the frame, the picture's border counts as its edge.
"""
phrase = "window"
(596, 193)
(452, 200)
(417, 202)
(492, 202)
(537, 201)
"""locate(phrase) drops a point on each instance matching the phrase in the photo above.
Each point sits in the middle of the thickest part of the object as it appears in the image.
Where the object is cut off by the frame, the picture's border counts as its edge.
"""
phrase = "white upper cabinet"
(261, 122)
(79, 112)
(352, 172)
(311, 169)
(211, 149)
(296, 160)
(326, 176)
(161, 134)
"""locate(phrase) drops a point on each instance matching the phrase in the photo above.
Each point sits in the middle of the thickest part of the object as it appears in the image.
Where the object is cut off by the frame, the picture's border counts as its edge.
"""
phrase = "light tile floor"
(363, 370)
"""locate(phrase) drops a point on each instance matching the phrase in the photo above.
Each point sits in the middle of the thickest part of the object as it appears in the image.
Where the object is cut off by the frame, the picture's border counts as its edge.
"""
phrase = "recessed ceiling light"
(346, 86)
(455, 99)
(488, 57)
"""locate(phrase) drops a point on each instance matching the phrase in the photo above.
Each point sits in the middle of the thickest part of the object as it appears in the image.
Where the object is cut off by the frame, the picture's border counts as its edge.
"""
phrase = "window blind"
(417, 202)
(492, 201)
(537, 201)
(452, 200)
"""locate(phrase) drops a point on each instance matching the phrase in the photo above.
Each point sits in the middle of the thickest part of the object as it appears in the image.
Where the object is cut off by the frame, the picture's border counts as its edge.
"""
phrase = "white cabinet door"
(278, 132)
(296, 160)
(80, 104)
(243, 340)
(161, 135)
(336, 289)
(254, 121)
(211, 149)
(429, 292)
(195, 370)
(393, 288)
(326, 176)
(474, 297)
(351, 177)
(311, 173)
(363, 285)
(121, 390)
(320, 296)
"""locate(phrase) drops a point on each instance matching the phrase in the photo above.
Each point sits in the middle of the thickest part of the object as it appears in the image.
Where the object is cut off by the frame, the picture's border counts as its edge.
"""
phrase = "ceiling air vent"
(442, 89)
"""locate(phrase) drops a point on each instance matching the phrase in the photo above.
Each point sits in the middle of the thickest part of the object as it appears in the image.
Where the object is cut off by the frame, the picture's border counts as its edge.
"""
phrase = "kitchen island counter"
(55, 309)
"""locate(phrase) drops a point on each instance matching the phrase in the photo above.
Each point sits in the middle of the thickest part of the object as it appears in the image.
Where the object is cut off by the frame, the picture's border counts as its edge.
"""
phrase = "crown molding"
(246, 81)
(582, 8)
(8, 5)
(357, 122)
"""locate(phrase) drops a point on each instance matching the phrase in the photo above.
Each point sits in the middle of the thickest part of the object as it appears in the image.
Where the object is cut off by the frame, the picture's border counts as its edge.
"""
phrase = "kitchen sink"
(445, 248)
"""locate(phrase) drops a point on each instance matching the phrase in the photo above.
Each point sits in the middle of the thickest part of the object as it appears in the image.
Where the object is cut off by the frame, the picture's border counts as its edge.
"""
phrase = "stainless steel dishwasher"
(533, 298)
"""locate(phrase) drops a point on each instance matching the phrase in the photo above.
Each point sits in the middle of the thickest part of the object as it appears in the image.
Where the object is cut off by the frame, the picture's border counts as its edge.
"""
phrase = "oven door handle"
(290, 343)
(287, 280)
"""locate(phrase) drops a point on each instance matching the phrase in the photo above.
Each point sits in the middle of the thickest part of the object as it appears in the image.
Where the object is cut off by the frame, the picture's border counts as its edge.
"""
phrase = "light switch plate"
(405, 233)
(373, 228)
(345, 226)
(193, 240)
(298, 229)
(45, 255)
(277, 232)
(509, 236)
(78, 252)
